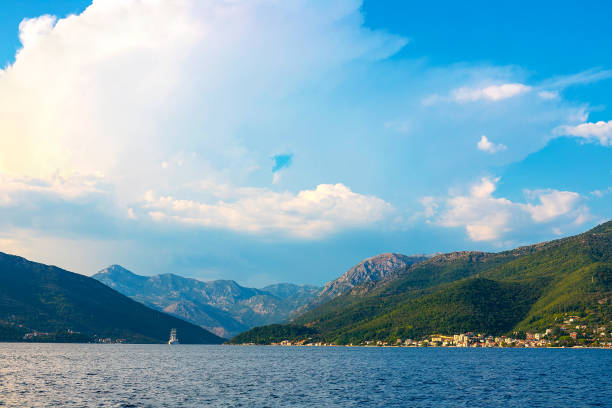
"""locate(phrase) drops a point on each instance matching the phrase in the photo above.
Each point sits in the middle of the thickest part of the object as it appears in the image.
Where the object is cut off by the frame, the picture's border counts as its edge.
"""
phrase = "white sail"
(173, 337)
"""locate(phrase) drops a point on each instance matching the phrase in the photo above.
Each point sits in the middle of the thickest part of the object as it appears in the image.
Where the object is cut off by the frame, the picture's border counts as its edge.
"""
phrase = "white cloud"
(488, 218)
(212, 89)
(552, 204)
(546, 90)
(601, 193)
(486, 146)
(127, 82)
(33, 29)
(126, 86)
(492, 92)
(157, 94)
(483, 216)
(600, 131)
(308, 214)
(65, 186)
(431, 206)
(548, 94)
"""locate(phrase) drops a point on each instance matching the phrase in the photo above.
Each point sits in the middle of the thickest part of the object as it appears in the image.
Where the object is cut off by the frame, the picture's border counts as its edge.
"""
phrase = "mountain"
(120, 279)
(292, 291)
(368, 273)
(529, 288)
(222, 306)
(297, 296)
(37, 297)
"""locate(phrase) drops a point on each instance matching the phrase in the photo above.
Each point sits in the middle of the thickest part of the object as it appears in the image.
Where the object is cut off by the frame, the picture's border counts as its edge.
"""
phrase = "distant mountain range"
(386, 297)
(528, 288)
(221, 306)
(37, 298)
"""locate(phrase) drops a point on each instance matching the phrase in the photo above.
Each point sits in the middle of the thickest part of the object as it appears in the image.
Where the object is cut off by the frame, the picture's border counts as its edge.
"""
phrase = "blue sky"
(271, 141)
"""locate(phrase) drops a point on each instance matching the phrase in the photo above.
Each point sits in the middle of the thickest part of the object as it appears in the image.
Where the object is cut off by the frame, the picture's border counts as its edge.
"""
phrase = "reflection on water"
(43, 375)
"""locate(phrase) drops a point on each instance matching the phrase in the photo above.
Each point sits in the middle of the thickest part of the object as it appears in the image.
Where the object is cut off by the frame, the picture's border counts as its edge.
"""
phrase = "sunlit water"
(54, 375)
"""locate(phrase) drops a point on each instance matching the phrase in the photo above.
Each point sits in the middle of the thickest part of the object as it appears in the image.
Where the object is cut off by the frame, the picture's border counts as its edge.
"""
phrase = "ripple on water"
(43, 375)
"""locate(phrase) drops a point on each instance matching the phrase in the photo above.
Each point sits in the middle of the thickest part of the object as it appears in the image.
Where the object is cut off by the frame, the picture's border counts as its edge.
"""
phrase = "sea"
(121, 375)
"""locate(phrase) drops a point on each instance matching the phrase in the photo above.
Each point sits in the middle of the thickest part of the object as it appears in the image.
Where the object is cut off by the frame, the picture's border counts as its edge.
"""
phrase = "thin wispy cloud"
(491, 92)
(580, 78)
(548, 94)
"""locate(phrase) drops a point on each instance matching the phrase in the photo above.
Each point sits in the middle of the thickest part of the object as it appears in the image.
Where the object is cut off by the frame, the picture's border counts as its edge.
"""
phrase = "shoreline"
(417, 347)
(313, 346)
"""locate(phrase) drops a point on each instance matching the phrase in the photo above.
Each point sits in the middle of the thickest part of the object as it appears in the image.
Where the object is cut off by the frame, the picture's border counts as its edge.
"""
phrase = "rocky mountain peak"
(371, 270)
(120, 279)
(116, 270)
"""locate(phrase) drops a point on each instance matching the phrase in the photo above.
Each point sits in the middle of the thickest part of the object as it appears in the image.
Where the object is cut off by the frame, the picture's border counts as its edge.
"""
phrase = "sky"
(275, 141)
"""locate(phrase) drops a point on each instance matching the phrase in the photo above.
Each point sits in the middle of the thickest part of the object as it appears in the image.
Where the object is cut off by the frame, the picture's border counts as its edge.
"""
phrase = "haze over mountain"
(528, 288)
(38, 297)
(221, 306)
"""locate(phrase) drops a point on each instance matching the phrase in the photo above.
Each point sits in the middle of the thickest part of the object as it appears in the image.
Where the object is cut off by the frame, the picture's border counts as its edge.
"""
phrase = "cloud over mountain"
(309, 214)
(489, 218)
(147, 127)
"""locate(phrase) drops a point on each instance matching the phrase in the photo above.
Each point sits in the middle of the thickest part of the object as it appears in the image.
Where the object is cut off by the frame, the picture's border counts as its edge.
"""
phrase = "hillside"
(37, 297)
(367, 274)
(221, 306)
(528, 288)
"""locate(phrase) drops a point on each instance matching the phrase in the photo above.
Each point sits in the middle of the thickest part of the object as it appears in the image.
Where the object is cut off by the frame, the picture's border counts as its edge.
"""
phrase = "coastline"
(417, 347)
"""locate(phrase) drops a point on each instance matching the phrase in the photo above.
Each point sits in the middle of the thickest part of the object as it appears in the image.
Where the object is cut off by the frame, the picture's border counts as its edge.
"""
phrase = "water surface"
(69, 375)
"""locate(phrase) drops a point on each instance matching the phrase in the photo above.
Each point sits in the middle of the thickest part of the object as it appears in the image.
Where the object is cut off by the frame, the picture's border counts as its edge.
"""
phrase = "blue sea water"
(71, 375)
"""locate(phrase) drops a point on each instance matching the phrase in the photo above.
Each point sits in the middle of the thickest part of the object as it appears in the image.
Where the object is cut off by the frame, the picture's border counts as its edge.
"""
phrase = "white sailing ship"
(173, 338)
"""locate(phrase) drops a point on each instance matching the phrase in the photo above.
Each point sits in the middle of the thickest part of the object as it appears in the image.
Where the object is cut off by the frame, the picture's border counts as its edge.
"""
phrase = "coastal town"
(572, 333)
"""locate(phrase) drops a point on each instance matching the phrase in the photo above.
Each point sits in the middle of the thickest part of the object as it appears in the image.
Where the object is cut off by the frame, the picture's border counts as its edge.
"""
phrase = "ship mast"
(173, 338)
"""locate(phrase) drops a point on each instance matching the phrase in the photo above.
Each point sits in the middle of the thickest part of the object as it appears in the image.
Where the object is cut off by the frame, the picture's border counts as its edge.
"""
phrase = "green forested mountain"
(37, 297)
(494, 293)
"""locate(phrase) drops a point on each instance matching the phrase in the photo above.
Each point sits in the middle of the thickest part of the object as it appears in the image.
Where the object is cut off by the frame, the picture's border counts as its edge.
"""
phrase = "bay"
(77, 375)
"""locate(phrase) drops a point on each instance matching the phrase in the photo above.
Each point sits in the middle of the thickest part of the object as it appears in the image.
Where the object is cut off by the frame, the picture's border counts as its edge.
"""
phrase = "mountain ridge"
(526, 288)
(365, 275)
(42, 298)
(221, 306)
